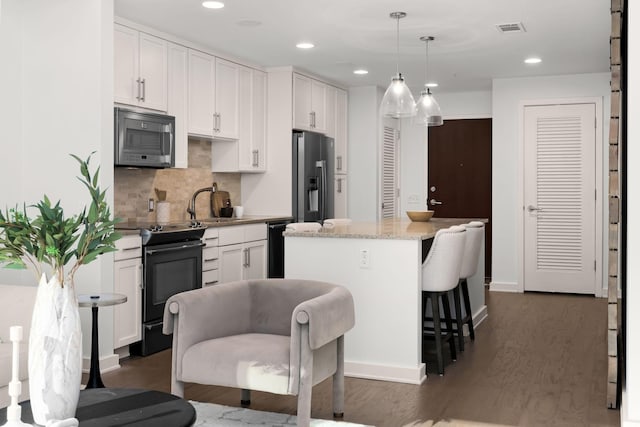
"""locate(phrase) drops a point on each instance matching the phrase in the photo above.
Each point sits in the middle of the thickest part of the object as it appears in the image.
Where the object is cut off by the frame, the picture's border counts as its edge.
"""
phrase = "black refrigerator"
(313, 181)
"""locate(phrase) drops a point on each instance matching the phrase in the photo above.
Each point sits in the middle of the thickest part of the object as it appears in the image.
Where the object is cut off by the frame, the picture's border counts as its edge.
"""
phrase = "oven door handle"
(151, 326)
(177, 248)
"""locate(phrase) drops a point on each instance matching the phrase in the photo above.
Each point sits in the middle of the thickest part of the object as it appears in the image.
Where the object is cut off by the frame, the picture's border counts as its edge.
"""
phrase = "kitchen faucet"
(192, 206)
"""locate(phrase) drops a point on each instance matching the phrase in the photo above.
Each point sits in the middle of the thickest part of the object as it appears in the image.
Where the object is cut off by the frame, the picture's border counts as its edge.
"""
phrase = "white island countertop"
(391, 228)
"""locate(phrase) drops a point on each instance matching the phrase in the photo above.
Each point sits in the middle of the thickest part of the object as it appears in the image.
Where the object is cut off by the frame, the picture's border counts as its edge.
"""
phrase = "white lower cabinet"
(127, 317)
(243, 252)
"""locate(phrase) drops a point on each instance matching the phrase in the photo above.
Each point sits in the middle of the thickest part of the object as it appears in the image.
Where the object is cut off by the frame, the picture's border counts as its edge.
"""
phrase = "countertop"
(391, 228)
(133, 227)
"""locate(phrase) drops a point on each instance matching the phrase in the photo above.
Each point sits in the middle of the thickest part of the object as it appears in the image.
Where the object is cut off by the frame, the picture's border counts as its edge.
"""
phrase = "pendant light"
(427, 108)
(398, 101)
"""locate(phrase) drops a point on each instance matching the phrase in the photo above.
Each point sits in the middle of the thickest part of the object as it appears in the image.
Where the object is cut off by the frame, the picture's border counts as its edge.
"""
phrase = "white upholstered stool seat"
(440, 274)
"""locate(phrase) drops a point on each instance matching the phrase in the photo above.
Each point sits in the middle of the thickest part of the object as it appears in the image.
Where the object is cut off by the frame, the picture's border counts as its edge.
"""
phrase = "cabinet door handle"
(216, 122)
(144, 90)
(256, 158)
(339, 163)
(140, 281)
(219, 122)
(244, 254)
(138, 84)
(340, 185)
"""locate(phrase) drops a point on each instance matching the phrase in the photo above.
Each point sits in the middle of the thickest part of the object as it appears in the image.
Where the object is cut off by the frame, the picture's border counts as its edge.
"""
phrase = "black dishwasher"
(275, 241)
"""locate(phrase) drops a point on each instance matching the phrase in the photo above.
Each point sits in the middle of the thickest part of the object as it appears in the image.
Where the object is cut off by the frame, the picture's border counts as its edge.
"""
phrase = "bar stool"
(440, 274)
(472, 246)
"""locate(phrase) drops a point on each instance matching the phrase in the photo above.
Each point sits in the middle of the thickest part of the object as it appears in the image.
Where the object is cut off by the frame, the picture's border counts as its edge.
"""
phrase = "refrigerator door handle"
(322, 164)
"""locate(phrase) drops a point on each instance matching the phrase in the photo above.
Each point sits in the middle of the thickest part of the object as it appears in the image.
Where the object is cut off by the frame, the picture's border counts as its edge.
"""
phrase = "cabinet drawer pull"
(133, 248)
(210, 259)
(213, 282)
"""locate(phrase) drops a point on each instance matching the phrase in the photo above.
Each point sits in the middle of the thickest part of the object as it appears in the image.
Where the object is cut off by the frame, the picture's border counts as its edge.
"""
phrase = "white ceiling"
(571, 36)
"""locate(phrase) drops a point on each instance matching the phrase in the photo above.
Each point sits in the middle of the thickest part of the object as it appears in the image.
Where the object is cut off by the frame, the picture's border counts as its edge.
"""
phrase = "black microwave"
(144, 139)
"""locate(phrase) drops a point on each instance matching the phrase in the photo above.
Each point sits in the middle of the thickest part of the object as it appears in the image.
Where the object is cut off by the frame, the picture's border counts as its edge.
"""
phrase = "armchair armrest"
(329, 316)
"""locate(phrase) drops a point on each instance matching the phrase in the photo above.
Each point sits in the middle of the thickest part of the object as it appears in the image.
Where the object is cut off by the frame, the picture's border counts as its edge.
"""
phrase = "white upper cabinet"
(226, 99)
(319, 105)
(248, 153)
(309, 104)
(140, 69)
(178, 98)
(202, 78)
(213, 96)
(341, 119)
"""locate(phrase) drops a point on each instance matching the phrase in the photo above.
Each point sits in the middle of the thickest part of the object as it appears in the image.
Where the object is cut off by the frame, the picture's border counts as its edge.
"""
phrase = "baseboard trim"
(504, 287)
(397, 374)
(107, 363)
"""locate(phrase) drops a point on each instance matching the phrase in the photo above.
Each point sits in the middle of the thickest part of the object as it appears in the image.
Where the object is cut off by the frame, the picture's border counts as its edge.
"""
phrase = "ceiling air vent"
(514, 27)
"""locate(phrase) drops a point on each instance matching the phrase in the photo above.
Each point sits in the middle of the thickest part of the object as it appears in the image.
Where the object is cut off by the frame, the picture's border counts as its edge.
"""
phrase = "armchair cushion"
(250, 361)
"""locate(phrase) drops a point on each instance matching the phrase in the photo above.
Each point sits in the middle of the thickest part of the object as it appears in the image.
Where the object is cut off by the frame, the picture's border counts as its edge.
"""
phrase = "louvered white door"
(389, 172)
(559, 198)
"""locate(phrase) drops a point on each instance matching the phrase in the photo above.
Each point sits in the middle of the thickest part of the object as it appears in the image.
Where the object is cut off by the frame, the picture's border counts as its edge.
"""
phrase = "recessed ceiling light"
(305, 45)
(360, 71)
(432, 84)
(213, 4)
(533, 60)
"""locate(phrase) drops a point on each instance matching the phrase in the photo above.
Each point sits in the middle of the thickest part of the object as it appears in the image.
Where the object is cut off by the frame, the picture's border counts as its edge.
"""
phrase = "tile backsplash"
(134, 187)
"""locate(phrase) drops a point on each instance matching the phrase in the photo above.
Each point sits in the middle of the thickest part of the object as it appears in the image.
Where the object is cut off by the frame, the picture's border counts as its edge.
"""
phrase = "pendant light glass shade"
(427, 108)
(398, 101)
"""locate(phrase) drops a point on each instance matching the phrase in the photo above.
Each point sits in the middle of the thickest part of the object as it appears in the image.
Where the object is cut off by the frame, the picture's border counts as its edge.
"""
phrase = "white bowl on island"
(420, 216)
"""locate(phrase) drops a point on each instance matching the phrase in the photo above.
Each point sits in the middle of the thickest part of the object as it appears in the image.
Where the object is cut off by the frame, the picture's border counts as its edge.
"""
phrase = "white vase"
(55, 352)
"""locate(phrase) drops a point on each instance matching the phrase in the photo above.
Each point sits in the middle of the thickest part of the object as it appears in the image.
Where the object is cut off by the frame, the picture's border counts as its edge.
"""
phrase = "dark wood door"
(460, 173)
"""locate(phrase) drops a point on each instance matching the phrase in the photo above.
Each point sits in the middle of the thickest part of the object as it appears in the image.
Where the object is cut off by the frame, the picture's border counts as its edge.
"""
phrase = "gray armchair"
(281, 336)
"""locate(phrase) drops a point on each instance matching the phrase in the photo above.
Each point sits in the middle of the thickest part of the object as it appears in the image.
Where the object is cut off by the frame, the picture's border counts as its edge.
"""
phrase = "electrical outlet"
(413, 198)
(365, 258)
(151, 205)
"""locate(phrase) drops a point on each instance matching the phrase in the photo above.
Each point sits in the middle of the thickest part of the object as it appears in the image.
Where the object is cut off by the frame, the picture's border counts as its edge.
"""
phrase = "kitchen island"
(381, 264)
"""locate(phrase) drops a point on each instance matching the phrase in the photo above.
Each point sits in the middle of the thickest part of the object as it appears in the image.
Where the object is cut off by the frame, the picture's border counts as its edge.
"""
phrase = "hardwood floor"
(538, 360)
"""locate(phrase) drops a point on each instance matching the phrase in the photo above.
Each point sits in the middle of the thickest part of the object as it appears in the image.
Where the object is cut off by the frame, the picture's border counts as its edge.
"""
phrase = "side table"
(94, 301)
(109, 407)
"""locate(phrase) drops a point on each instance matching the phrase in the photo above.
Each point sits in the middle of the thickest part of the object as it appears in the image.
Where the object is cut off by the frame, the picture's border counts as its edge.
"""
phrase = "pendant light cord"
(398, 46)
(426, 63)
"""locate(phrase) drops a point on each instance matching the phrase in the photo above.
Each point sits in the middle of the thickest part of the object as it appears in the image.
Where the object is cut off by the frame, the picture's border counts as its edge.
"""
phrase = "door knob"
(532, 208)
(434, 202)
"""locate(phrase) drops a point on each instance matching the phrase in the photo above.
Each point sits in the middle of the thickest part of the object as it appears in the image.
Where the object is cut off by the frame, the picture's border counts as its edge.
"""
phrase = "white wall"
(56, 83)
(464, 105)
(413, 167)
(631, 397)
(507, 96)
(364, 149)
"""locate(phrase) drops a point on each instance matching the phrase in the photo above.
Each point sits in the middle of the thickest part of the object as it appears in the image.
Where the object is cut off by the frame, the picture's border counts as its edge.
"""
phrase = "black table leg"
(94, 372)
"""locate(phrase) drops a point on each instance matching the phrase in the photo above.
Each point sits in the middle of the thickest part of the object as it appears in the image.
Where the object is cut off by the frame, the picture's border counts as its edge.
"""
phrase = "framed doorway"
(459, 173)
